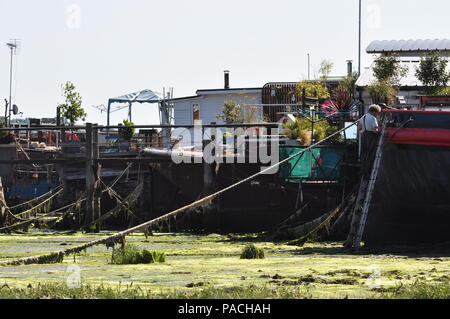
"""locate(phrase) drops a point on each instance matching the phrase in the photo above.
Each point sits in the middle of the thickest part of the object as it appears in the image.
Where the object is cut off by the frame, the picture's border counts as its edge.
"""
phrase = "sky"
(108, 48)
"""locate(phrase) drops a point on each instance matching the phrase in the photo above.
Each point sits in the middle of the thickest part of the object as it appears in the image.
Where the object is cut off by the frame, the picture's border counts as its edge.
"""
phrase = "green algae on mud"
(209, 262)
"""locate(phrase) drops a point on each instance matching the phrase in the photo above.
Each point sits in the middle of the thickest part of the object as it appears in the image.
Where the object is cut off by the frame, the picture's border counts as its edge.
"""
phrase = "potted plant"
(297, 133)
(125, 134)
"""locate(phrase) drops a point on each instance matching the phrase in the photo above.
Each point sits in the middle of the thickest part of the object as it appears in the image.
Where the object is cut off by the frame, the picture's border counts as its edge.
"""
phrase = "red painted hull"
(418, 136)
(418, 127)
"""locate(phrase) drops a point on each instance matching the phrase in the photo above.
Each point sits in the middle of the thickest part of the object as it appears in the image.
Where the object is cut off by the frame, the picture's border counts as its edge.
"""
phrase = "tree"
(231, 113)
(71, 109)
(313, 89)
(432, 72)
(382, 92)
(388, 69)
(388, 72)
(127, 133)
(348, 83)
(325, 69)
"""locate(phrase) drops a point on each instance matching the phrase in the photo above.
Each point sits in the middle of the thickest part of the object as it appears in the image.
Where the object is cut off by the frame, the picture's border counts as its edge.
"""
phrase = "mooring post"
(90, 178)
(97, 170)
(211, 218)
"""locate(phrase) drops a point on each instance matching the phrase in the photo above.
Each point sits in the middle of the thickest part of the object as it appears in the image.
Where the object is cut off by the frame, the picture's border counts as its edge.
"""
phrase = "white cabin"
(207, 105)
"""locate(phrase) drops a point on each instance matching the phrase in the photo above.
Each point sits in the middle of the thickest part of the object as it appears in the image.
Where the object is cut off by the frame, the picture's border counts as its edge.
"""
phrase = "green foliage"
(388, 72)
(313, 89)
(72, 109)
(432, 72)
(348, 83)
(61, 291)
(325, 69)
(251, 114)
(126, 133)
(382, 92)
(421, 290)
(297, 131)
(250, 251)
(3, 133)
(322, 129)
(131, 254)
(387, 69)
(300, 130)
(443, 91)
(231, 113)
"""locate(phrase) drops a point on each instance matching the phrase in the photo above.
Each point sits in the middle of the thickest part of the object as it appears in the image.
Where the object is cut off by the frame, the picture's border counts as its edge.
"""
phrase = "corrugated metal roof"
(367, 77)
(409, 45)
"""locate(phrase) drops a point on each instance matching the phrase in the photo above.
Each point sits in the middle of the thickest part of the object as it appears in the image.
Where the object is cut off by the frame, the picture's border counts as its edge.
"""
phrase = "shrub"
(388, 69)
(382, 92)
(252, 252)
(231, 113)
(132, 255)
(313, 89)
(300, 130)
(421, 290)
(432, 71)
(297, 131)
(126, 132)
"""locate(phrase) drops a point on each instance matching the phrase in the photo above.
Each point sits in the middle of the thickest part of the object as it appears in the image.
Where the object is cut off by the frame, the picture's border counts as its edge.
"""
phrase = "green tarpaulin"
(320, 163)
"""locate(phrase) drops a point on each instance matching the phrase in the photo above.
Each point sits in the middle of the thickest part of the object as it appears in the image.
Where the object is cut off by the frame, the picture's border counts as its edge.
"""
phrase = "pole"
(10, 88)
(359, 40)
(309, 77)
(90, 178)
(6, 111)
(97, 169)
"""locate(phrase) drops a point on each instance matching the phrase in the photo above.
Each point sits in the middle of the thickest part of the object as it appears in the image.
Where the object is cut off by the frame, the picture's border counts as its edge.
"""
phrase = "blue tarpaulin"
(30, 191)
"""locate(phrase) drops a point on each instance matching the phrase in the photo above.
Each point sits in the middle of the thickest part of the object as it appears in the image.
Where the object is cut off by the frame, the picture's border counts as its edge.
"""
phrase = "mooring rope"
(123, 202)
(118, 237)
(39, 205)
(24, 222)
(34, 199)
(80, 200)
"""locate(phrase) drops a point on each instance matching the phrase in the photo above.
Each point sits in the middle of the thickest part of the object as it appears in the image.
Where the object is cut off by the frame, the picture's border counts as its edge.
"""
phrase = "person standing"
(369, 129)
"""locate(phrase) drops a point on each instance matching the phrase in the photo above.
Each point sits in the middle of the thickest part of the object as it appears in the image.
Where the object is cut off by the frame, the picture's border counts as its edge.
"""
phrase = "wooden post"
(211, 218)
(152, 197)
(90, 178)
(97, 171)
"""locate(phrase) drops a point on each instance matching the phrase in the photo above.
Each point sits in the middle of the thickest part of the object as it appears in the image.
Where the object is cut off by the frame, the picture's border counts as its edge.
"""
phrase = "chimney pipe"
(227, 79)
(349, 67)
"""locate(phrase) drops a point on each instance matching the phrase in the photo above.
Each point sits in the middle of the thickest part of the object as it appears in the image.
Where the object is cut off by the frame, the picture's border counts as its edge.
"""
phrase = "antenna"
(101, 107)
(14, 46)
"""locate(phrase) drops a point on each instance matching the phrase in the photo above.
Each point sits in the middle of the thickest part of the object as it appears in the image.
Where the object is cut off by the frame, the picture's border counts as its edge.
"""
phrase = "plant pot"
(292, 143)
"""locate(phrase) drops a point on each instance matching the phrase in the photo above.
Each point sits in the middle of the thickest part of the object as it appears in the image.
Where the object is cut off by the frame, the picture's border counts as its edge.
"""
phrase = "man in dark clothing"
(369, 130)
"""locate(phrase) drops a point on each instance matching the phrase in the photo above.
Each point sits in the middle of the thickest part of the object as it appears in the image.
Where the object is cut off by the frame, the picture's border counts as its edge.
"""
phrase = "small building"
(410, 53)
(207, 104)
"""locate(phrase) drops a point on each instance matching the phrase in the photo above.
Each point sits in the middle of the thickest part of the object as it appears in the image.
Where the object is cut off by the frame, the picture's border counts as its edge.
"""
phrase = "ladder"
(364, 198)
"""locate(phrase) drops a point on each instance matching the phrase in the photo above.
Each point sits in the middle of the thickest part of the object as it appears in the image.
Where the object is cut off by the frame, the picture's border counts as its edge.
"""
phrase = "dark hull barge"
(411, 200)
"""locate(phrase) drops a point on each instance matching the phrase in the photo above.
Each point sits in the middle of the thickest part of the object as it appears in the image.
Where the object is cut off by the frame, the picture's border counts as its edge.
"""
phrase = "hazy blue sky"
(111, 47)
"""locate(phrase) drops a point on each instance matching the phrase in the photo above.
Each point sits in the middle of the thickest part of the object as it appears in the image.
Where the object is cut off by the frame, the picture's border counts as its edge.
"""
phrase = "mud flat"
(196, 263)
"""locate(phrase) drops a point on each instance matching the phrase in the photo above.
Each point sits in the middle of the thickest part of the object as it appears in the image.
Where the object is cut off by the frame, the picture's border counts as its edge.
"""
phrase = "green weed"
(131, 254)
(252, 252)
